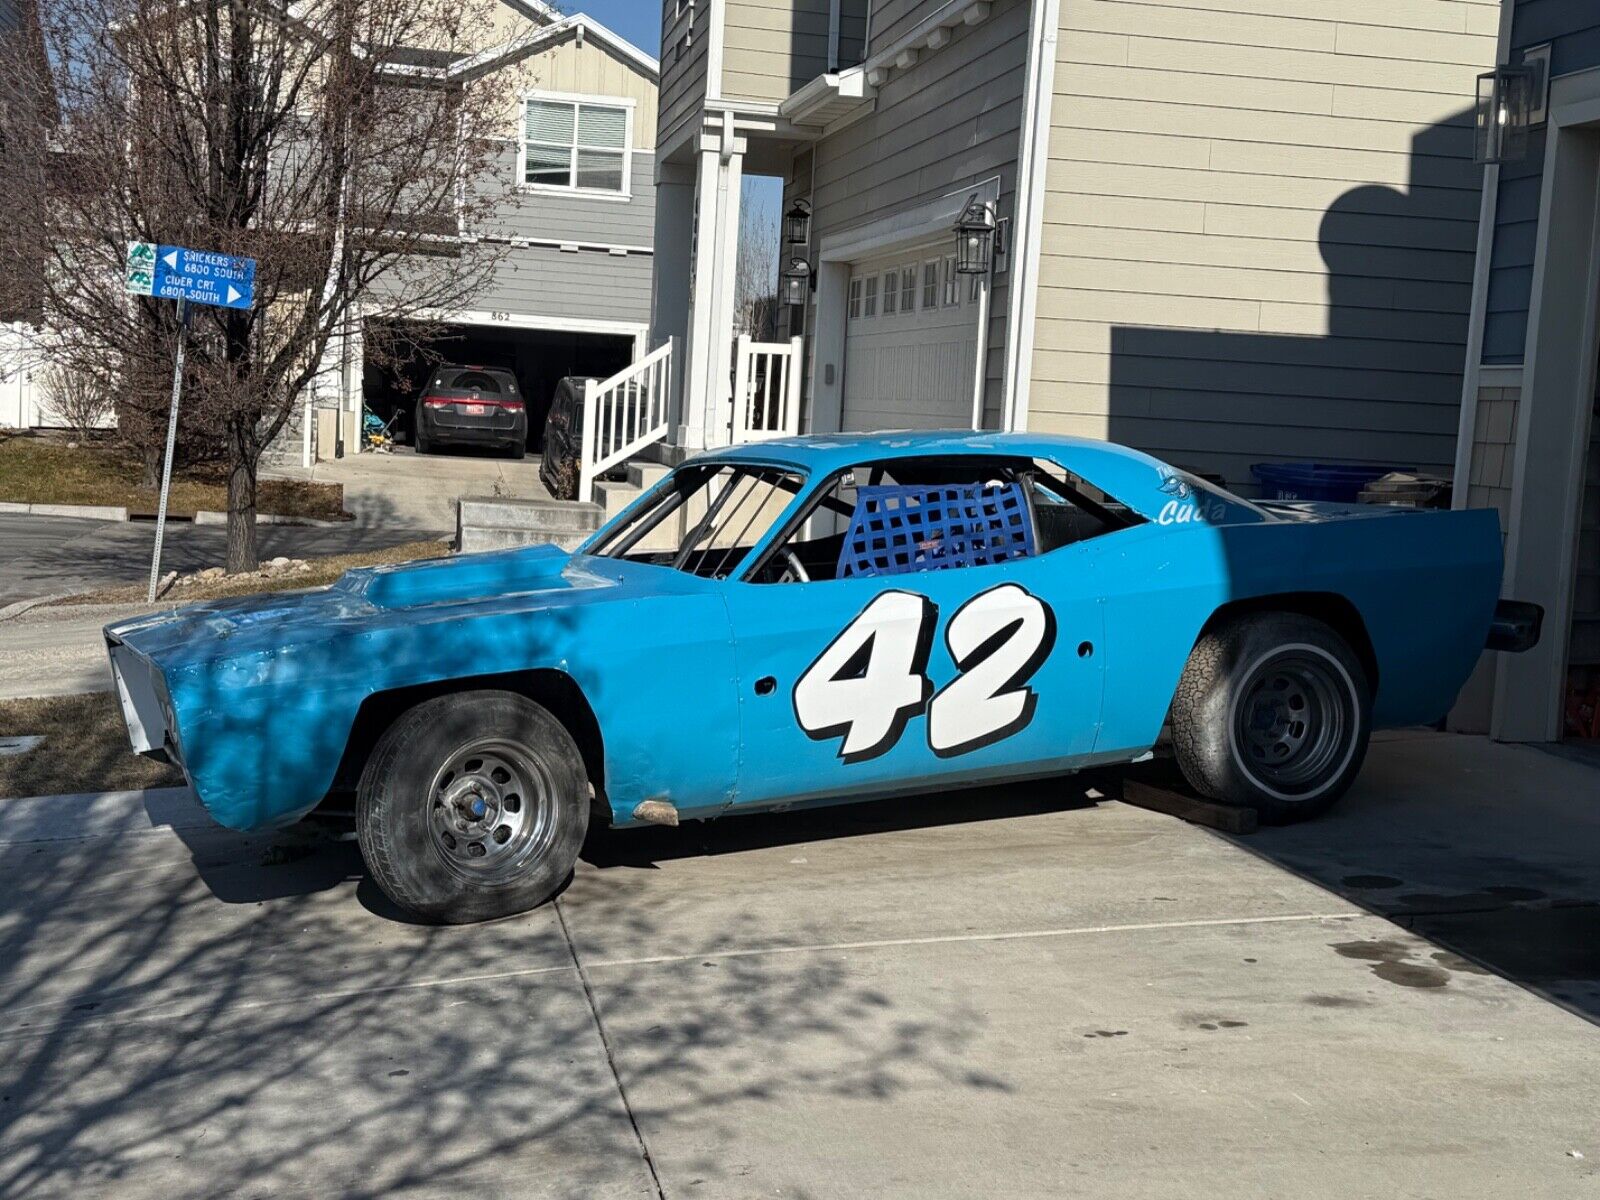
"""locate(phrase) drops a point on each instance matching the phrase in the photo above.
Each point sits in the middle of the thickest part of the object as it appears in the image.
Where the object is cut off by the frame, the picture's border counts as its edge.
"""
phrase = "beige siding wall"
(586, 70)
(684, 38)
(1259, 228)
(772, 47)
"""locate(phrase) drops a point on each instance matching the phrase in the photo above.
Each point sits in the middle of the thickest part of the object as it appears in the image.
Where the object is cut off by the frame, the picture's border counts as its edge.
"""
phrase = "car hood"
(526, 579)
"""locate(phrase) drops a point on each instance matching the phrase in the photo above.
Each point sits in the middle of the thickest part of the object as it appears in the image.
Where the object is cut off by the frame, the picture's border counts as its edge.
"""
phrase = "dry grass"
(43, 470)
(85, 749)
(323, 571)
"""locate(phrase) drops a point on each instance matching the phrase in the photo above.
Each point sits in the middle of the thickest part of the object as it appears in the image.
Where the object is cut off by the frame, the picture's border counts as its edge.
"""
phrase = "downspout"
(1033, 158)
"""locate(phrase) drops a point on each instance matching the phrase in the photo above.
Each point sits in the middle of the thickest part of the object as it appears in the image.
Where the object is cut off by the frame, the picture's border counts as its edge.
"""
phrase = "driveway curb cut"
(22, 606)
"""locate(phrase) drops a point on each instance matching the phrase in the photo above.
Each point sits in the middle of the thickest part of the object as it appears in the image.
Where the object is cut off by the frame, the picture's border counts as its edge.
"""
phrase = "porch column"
(707, 387)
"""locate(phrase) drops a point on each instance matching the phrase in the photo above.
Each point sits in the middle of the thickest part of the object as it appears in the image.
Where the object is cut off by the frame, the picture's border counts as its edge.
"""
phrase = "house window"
(855, 299)
(930, 283)
(891, 292)
(576, 145)
(952, 283)
(908, 290)
(869, 301)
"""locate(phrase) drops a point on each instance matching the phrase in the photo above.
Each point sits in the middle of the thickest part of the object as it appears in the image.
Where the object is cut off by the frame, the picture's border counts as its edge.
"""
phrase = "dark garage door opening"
(401, 355)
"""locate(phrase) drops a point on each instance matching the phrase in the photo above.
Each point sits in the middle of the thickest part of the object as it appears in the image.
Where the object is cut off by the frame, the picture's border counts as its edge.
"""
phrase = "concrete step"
(643, 475)
(614, 497)
(494, 522)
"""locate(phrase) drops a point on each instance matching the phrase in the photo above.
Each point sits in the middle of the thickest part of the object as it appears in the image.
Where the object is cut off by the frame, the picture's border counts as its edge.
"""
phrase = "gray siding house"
(1529, 442)
(570, 291)
(1230, 231)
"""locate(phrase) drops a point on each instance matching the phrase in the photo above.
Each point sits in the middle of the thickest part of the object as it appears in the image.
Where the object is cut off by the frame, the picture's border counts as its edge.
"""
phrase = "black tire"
(1273, 712)
(424, 443)
(487, 769)
(519, 450)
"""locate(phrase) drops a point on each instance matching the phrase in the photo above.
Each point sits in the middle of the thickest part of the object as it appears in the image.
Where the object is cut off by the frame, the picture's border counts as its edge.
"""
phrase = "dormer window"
(574, 144)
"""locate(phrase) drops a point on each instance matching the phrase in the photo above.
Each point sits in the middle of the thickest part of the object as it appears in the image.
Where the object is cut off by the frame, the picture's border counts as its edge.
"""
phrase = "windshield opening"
(705, 520)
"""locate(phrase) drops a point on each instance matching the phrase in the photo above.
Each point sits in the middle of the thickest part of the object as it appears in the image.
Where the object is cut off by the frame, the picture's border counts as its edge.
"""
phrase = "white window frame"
(626, 103)
(952, 284)
(930, 284)
(855, 298)
(891, 293)
(869, 298)
(908, 288)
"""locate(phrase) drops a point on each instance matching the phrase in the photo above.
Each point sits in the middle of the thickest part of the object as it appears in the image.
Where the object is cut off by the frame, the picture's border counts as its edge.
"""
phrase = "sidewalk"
(59, 651)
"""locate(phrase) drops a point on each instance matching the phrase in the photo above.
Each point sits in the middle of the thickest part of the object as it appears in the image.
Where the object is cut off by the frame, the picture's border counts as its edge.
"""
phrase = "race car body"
(814, 620)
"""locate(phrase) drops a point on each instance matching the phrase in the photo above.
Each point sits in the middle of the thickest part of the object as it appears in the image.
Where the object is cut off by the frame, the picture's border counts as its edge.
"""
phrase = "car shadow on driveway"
(1490, 852)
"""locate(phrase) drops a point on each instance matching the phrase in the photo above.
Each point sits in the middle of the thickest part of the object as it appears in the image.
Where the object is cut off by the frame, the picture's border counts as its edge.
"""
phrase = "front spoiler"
(1516, 626)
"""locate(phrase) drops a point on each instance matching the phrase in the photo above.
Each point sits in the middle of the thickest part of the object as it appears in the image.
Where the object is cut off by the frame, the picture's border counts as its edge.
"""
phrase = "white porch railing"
(624, 414)
(766, 389)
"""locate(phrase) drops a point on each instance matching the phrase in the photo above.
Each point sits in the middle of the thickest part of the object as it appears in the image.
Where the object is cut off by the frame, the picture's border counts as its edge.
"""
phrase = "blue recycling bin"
(1340, 483)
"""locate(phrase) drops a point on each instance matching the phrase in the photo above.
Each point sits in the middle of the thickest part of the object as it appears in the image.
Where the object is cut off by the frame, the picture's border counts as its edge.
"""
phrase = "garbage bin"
(1340, 483)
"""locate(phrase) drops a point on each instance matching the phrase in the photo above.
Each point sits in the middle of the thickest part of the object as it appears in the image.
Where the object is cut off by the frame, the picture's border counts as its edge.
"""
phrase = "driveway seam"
(605, 1042)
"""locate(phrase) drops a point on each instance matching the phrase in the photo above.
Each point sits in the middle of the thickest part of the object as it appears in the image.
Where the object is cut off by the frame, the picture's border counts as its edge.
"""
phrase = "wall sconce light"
(1511, 101)
(797, 282)
(797, 224)
(975, 237)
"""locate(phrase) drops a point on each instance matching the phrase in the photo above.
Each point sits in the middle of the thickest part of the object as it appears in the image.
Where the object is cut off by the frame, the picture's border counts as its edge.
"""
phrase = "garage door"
(911, 344)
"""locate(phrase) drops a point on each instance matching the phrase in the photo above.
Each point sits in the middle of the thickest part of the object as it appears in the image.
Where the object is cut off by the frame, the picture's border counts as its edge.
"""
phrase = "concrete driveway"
(1008, 992)
(407, 490)
(1005, 993)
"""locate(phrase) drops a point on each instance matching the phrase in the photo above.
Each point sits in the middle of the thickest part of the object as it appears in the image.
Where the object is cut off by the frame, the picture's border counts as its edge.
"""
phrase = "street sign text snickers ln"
(198, 276)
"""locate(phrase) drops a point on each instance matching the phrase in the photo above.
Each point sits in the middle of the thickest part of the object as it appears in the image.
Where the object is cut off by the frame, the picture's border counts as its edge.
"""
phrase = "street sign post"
(187, 276)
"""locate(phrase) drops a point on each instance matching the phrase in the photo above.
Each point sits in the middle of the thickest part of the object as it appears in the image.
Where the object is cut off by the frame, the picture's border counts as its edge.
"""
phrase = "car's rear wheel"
(519, 449)
(472, 806)
(424, 442)
(1273, 712)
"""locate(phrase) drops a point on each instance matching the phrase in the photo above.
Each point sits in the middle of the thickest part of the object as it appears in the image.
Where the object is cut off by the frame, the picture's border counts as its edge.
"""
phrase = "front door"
(857, 685)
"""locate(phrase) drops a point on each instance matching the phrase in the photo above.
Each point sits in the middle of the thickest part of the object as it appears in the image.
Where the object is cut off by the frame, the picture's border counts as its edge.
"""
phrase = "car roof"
(834, 451)
(1144, 483)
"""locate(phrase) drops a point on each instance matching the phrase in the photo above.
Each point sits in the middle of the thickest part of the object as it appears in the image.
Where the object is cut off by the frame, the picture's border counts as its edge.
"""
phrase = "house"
(1226, 231)
(1529, 443)
(570, 290)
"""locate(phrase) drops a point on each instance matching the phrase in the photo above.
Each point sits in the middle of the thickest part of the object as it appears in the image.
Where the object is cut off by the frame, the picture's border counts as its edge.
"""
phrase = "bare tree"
(82, 400)
(755, 278)
(331, 140)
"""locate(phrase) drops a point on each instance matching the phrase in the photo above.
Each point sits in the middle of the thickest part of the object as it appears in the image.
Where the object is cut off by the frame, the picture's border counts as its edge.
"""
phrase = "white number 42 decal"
(872, 679)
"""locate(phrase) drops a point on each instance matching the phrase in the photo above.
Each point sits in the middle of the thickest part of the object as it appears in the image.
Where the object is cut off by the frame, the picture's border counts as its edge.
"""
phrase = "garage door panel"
(910, 368)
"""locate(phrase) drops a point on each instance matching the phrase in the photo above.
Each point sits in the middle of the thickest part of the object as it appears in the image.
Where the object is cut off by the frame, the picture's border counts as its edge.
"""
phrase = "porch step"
(496, 523)
(645, 475)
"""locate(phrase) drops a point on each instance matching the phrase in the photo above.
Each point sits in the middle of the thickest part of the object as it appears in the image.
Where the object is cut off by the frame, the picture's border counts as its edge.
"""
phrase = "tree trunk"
(241, 501)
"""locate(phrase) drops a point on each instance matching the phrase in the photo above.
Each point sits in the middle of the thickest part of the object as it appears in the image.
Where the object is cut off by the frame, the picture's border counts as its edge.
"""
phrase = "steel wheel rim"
(1291, 723)
(491, 810)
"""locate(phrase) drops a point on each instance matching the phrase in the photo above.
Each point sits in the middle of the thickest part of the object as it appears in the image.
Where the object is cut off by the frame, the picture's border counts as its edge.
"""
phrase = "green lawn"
(43, 470)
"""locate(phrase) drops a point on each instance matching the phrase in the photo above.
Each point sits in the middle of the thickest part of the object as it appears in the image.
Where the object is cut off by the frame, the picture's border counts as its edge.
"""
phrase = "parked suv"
(466, 405)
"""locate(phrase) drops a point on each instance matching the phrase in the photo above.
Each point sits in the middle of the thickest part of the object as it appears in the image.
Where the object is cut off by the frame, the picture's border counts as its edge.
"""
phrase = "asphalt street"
(1012, 992)
(47, 556)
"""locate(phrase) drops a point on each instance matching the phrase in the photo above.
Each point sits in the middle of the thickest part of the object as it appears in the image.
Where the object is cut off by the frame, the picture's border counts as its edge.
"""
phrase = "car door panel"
(868, 685)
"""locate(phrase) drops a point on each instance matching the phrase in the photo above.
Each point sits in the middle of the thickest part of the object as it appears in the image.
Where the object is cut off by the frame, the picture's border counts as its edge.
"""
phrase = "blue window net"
(899, 529)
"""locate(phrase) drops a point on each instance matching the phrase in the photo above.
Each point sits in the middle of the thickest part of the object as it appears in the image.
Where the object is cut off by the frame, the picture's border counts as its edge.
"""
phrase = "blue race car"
(817, 620)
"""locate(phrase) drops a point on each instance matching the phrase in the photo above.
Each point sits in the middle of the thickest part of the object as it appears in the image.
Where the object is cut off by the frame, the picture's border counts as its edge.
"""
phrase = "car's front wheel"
(472, 806)
(1273, 712)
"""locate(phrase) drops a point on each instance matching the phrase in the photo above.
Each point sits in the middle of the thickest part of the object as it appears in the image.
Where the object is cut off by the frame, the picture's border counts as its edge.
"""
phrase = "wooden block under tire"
(1223, 817)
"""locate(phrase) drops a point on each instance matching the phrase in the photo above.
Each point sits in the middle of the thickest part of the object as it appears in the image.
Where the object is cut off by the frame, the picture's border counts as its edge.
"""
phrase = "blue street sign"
(199, 276)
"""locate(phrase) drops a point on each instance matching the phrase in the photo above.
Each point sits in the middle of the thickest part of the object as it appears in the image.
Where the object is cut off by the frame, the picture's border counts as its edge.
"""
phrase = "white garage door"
(911, 344)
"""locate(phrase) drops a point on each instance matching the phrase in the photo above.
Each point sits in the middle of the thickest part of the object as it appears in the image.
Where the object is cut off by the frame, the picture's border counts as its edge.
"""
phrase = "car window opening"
(904, 516)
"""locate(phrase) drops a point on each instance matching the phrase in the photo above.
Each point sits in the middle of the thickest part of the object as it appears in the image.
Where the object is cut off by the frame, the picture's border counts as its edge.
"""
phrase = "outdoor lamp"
(975, 238)
(1505, 97)
(797, 224)
(796, 282)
